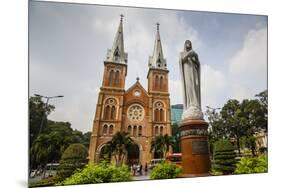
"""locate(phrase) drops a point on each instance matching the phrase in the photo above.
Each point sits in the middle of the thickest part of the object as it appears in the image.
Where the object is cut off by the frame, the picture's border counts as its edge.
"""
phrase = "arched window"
(116, 79)
(130, 130)
(156, 130)
(111, 77)
(106, 112)
(156, 82)
(161, 114)
(161, 83)
(155, 114)
(161, 130)
(116, 54)
(140, 130)
(110, 129)
(112, 114)
(110, 110)
(135, 131)
(104, 131)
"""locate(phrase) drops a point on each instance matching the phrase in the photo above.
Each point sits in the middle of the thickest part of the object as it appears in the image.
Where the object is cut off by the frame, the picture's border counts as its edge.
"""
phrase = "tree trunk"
(238, 145)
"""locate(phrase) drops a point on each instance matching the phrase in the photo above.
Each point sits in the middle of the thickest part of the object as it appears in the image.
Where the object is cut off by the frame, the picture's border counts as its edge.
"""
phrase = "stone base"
(195, 148)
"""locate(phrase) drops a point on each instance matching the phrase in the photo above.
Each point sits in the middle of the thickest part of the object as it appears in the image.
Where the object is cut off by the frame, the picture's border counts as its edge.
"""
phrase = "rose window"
(136, 112)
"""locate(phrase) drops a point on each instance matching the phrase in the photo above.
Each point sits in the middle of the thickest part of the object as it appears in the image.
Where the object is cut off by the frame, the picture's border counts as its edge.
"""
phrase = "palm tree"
(118, 146)
(161, 144)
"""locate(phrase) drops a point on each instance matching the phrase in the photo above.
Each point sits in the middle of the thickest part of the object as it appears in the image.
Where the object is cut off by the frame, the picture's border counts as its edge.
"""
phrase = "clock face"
(137, 93)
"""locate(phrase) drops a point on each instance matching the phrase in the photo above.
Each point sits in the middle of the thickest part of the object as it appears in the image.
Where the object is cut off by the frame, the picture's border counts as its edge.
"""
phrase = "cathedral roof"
(117, 53)
(138, 85)
(157, 59)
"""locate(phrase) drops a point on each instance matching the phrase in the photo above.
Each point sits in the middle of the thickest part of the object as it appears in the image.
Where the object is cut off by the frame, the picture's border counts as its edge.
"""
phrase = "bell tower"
(158, 72)
(108, 116)
(159, 98)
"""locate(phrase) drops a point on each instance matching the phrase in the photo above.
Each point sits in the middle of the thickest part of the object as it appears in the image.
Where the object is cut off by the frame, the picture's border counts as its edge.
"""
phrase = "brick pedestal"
(194, 148)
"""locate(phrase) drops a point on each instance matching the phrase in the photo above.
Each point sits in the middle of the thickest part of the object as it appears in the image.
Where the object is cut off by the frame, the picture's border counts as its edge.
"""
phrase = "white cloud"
(213, 84)
(248, 67)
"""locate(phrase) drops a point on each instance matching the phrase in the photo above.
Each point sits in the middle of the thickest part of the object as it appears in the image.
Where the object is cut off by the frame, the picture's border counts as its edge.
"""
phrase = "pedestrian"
(131, 168)
(145, 169)
(134, 169)
(140, 169)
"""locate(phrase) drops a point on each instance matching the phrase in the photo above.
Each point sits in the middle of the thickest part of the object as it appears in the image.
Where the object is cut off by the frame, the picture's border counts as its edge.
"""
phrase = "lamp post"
(212, 108)
(46, 105)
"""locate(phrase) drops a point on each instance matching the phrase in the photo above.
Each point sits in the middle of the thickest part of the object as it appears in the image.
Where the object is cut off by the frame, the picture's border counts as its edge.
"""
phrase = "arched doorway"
(104, 154)
(133, 156)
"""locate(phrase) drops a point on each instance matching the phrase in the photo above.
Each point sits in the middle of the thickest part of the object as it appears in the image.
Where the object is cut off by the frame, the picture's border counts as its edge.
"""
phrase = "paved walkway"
(142, 177)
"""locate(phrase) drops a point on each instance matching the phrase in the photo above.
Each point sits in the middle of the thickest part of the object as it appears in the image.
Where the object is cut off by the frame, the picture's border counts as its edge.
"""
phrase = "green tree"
(49, 145)
(37, 109)
(216, 129)
(231, 120)
(73, 158)
(165, 170)
(118, 147)
(161, 145)
(224, 157)
(253, 116)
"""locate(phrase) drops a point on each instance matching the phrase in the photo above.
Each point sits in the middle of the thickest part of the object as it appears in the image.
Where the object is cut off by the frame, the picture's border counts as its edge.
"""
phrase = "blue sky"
(68, 44)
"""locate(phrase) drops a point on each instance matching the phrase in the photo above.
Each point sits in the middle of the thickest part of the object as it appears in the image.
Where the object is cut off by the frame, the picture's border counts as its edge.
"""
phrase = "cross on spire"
(157, 26)
(121, 17)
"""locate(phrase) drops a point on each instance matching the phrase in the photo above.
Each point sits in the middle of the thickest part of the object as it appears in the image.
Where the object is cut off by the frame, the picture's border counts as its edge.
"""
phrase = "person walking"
(140, 169)
(134, 169)
(145, 169)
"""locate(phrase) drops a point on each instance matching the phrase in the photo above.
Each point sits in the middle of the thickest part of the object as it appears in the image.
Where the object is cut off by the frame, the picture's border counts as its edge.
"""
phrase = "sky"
(68, 44)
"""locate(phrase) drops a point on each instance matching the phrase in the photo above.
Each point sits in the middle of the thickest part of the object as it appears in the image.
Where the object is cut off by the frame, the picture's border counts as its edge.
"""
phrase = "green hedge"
(165, 170)
(99, 173)
(73, 158)
(224, 158)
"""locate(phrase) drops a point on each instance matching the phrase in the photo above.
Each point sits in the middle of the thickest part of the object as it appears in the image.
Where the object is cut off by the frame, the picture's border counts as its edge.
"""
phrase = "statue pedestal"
(195, 147)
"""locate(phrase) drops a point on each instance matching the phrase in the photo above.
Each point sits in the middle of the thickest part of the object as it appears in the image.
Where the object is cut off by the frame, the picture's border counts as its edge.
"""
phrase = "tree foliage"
(37, 109)
(118, 147)
(165, 170)
(161, 144)
(248, 165)
(238, 120)
(49, 145)
(224, 157)
(99, 173)
(73, 158)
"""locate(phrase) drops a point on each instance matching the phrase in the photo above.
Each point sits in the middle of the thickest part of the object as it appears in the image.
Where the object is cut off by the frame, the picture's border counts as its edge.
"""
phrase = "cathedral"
(142, 113)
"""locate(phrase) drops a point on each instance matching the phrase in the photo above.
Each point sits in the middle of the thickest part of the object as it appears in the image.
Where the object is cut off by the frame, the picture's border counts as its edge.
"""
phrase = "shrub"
(248, 165)
(165, 170)
(99, 173)
(73, 158)
(224, 157)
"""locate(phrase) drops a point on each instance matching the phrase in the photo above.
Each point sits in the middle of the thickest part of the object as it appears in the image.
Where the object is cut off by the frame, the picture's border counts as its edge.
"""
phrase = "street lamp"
(46, 105)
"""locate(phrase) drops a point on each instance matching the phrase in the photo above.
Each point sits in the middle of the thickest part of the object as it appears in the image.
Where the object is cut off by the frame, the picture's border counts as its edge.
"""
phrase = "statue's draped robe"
(190, 73)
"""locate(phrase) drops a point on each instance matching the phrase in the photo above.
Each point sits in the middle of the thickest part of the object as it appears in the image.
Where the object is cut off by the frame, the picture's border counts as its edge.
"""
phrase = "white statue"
(190, 73)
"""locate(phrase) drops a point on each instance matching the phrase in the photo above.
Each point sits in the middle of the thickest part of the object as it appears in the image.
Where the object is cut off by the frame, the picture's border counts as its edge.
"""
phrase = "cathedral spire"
(116, 53)
(157, 59)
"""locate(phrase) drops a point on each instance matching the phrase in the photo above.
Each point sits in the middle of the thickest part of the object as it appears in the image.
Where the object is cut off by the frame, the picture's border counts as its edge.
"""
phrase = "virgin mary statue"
(190, 73)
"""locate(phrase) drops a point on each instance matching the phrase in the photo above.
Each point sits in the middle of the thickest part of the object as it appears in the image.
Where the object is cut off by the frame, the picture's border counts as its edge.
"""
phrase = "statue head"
(187, 45)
